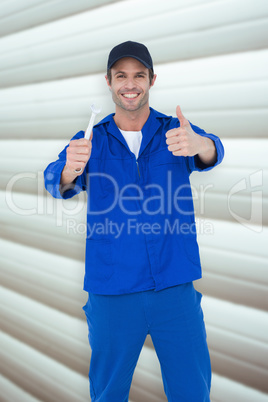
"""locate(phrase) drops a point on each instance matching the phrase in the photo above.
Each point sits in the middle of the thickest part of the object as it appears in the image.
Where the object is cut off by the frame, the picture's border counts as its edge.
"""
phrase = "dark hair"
(151, 75)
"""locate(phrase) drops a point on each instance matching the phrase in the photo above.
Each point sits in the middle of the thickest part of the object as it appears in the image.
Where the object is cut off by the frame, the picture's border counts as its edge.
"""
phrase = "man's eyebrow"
(123, 72)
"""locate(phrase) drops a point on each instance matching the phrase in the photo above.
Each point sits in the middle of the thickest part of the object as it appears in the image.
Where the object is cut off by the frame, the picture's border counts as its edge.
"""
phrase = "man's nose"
(130, 83)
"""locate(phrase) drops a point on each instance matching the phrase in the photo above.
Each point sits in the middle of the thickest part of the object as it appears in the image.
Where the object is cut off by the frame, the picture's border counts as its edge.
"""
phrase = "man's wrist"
(67, 176)
(208, 154)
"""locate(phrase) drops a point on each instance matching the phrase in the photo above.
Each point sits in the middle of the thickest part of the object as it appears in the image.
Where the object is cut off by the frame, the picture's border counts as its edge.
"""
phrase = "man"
(141, 249)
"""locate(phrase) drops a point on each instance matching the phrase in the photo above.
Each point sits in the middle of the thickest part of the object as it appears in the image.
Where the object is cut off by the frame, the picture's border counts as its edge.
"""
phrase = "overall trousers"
(118, 326)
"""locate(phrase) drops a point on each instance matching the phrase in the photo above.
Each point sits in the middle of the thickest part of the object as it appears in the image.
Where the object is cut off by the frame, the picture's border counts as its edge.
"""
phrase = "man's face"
(130, 84)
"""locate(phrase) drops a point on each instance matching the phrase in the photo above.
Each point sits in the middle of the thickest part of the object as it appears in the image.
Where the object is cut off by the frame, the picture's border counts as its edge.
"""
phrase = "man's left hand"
(183, 141)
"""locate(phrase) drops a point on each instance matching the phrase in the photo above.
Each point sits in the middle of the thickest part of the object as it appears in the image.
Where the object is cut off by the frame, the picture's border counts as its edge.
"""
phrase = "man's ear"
(107, 80)
(153, 80)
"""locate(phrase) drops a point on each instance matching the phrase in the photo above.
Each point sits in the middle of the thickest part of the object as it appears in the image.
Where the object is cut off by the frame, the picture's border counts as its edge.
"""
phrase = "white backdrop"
(211, 58)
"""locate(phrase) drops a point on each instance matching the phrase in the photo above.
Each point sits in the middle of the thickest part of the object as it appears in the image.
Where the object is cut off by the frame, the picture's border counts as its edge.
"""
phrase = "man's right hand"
(77, 156)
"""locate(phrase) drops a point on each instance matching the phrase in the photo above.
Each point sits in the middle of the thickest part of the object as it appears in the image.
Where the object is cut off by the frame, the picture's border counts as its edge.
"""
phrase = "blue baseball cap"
(130, 49)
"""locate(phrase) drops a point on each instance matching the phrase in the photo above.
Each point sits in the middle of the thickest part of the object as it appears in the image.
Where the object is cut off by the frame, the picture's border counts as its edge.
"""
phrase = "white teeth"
(130, 96)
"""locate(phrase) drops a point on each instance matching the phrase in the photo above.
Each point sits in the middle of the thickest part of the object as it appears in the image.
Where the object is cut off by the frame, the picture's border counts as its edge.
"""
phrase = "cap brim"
(133, 57)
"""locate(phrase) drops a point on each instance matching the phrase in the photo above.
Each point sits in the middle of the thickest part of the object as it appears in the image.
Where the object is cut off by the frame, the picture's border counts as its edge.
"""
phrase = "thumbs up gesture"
(183, 141)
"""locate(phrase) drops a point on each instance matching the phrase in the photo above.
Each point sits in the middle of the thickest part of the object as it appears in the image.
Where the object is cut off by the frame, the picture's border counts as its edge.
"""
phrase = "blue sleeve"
(194, 162)
(52, 175)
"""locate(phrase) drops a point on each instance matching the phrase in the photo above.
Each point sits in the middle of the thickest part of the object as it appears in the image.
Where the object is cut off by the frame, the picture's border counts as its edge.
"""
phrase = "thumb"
(183, 121)
(91, 136)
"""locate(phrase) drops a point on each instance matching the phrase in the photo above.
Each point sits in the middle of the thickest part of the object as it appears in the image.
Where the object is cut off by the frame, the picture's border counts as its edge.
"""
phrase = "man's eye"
(120, 76)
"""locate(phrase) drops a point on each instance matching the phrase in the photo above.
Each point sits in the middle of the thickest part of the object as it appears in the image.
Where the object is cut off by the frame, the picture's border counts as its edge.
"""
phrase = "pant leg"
(179, 337)
(117, 331)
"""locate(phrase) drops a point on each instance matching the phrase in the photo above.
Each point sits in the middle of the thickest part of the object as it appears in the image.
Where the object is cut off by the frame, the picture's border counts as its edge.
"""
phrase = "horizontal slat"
(218, 251)
(230, 338)
(229, 275)
(21, 206)
(226, 274)
(222, 96)
(230, 123)
(16, 16)
(67, 300)
(234, 318)
(240, 209)
(54, 280)
(10, 392)
(54, 333)
(238, 124)
(238, 341)
(208, 203)
(248, 241)
(40, 375)
(233, 191)
(171, 9)
(236, 265)
(230, 192)
(61, 337)
(26, 215)
(77, 24)
(99, 19)
(224, 389)
(32, 156)
(62, 246)
(231, 68)
(217, 32)
(218, 103)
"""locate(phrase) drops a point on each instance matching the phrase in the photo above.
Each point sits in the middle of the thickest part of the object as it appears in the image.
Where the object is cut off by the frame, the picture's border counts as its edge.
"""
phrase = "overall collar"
(148, 130)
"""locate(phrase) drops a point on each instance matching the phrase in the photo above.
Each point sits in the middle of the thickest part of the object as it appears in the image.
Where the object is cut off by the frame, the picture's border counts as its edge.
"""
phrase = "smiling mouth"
(130, 96)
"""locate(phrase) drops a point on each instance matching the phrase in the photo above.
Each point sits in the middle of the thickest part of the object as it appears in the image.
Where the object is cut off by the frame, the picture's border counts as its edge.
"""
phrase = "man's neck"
(131, 121)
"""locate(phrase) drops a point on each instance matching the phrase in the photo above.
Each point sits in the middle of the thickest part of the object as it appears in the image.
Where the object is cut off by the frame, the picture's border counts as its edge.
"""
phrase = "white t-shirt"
(133, 139)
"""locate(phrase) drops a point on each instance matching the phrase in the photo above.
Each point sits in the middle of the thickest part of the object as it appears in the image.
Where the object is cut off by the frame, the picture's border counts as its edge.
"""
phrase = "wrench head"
(95, 109)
